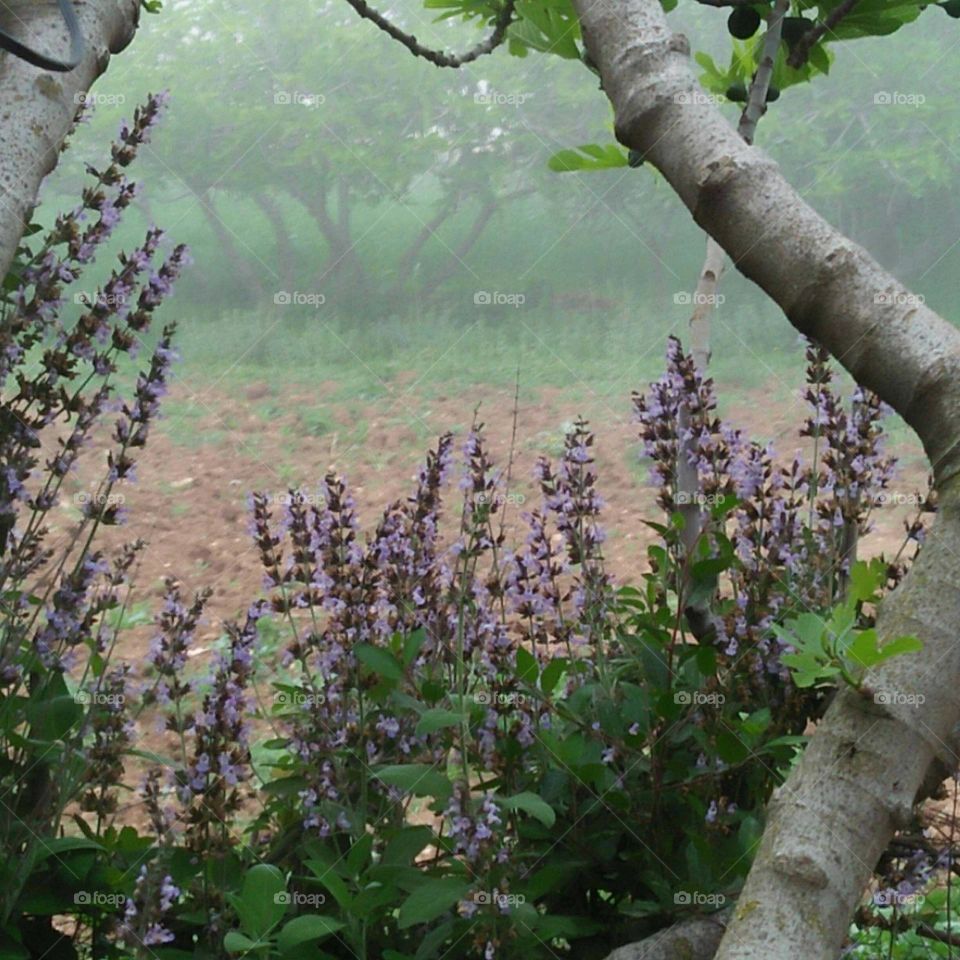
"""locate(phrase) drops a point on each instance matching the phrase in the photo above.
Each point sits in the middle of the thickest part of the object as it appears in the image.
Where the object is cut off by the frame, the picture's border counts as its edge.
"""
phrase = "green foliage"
(832, 647)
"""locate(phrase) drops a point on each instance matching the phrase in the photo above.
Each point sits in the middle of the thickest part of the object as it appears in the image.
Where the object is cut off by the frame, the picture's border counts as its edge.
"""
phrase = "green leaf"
(306, 929)
(420, 779)
(334, 885)
(412, 644)
(731, 748)
(380, 661)
(532, 804)
(285, 786)
(261, 902)
(236, 942)
(54, 846)
(437, 719)
(588, 157)
(407, 843)
(552, 673)
(431, 900)
(527, 667)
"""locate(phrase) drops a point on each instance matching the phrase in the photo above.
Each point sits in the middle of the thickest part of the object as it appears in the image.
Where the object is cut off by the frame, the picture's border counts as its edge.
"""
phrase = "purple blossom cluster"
(142, 926)
(795, 525)
(463, 610)
(219, 761)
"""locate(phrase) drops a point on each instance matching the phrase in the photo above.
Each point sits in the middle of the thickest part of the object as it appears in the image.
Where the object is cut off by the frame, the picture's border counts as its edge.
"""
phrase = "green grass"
(437, 355)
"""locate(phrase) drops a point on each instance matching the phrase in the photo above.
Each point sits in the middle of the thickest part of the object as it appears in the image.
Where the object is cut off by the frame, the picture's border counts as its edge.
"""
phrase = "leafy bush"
(468, 747)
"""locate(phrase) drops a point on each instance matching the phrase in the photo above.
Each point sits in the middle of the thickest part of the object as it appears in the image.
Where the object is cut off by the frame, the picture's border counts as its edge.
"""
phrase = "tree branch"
(800, 52)
(38, 109)
(438, 57)
(694, 939)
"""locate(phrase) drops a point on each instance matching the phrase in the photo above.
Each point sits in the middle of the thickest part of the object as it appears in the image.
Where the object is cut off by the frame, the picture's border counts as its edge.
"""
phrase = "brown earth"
(190, 504)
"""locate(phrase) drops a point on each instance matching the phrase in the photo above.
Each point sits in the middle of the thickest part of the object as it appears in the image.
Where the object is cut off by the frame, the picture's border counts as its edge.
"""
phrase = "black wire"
(77, 44)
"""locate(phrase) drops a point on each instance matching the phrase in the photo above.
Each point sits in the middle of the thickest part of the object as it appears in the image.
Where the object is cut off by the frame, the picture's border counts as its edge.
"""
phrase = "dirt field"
(215, 447)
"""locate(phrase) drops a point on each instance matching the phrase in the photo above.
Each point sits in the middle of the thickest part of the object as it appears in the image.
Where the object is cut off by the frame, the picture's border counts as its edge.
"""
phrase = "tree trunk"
(411, 256)
(868, 760)
(286, 255)
(243, 271)
(341, 256)
(37, 108)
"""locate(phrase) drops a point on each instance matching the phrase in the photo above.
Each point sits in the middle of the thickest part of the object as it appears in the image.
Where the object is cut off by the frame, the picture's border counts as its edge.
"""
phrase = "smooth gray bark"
(37, 108)
(868, 761)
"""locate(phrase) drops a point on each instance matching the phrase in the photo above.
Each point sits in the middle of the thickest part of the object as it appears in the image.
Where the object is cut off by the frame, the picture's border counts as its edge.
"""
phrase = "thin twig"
(438, 57)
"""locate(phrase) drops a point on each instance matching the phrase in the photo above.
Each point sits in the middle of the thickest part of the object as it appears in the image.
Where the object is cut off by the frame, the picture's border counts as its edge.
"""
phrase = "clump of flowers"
(67, 724)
